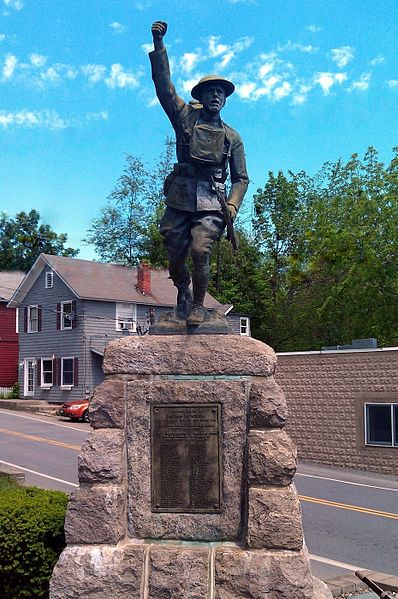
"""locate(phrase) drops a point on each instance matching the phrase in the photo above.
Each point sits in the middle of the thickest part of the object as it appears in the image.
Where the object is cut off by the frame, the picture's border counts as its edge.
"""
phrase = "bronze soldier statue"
(206, 147)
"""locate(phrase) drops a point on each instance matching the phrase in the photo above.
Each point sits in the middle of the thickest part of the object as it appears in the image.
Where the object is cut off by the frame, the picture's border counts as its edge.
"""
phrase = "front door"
(29, 377)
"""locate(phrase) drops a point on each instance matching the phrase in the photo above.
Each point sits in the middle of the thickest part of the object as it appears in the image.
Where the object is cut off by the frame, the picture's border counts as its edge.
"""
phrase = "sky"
(316, 80)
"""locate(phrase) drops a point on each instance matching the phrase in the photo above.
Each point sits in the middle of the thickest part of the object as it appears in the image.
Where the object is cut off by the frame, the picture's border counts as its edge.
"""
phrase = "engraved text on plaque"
(186, 459)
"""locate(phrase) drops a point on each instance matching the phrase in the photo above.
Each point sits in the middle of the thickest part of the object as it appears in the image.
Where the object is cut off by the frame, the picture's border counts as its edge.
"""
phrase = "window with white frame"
(47, 372)
(244, 326)
(381, 424)
(33, 319)
(67, 315)
(49, 280)
(126, 317)
(67, 372)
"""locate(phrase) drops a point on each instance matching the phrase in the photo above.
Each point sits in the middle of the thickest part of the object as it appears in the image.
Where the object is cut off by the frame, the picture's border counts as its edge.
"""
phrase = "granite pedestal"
(247, 542)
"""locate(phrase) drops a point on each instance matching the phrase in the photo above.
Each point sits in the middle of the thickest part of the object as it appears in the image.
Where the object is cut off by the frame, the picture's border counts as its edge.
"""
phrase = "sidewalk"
(340, 586)
(35, 406)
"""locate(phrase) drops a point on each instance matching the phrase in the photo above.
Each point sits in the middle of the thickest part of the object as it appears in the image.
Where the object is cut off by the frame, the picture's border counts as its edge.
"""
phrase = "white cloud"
(38, 60)
(377, 60)
(147, 48)
(46, 119)
(294, 46)
(342, 56)
(282, 91)
(226, 52)
(118, 27)
(300, 96)
(327, 80)
(16, 4)
(57, 72)
(362, 83)
(2, 37)
(313, 28)
(97, 116)
(188, 84)
(246, 90)
(26, 118)
(392, 83)
(118, 77)
(9, 66)
(94, 72)
(189, 60)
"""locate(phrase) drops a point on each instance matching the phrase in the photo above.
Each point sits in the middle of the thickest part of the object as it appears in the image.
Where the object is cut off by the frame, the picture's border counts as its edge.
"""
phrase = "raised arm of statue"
(165, 90)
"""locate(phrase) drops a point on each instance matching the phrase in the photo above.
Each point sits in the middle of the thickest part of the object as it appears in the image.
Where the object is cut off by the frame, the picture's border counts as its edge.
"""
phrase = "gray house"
(69, 309)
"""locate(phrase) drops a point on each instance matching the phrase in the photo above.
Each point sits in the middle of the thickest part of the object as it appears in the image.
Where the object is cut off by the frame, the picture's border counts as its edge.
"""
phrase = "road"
(350, 518)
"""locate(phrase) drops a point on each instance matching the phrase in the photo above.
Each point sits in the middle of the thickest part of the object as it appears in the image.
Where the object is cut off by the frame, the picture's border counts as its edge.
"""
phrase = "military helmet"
(198, 88)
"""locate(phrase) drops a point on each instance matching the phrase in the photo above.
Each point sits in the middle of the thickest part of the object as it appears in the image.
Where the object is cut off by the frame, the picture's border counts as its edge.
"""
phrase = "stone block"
(96, 515)
(274, 519)
(186, 354)
(107, 407)
(98, 571)
(101, 457)
(267, 404)
(143, 523)
(265, 575)
(178, 573)
(272, 458)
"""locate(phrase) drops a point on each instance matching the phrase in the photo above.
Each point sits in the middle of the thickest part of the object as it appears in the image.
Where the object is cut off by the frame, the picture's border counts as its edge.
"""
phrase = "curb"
(349, 583)
(32, 406)
(14, 473)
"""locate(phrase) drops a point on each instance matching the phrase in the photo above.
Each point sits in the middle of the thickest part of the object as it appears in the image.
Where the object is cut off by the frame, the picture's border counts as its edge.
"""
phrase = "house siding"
(8, 346)
(50, 342)
(326, 393)
(95, 328)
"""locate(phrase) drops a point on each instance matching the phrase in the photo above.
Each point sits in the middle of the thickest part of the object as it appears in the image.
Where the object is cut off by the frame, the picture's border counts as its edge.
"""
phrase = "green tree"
(24, 238)
(127, 229)
(330, 247)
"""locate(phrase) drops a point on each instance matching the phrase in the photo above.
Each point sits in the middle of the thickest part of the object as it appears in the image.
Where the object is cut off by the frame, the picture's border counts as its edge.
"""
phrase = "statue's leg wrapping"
(206, 229)
(175, 228)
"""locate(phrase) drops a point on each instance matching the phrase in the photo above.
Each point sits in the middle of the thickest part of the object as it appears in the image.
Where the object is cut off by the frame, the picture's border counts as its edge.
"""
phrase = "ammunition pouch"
(202, 173)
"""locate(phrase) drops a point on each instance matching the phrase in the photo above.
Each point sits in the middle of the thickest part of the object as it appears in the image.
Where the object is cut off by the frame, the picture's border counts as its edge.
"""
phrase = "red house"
(9, 282)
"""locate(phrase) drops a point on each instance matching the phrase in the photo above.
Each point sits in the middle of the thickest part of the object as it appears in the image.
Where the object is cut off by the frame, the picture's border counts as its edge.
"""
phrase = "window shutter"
(39, 313)
(38, 371)
(25, 319)
(76, 371)
(55, 361)
(58, 317)
(74, 311)
(58, 369)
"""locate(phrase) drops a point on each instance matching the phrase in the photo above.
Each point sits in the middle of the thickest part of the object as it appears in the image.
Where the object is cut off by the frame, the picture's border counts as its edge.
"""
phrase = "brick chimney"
(144, 278)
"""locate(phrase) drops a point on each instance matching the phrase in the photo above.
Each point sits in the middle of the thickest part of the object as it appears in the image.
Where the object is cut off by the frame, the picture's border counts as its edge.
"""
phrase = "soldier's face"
(213, 98)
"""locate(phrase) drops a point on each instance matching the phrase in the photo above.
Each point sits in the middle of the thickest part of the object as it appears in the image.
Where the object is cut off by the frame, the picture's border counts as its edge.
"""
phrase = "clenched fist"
(158, 29)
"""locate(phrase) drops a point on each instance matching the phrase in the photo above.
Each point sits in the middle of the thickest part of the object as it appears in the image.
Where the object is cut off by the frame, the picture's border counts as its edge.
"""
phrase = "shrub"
(15, 391)
(31, 539)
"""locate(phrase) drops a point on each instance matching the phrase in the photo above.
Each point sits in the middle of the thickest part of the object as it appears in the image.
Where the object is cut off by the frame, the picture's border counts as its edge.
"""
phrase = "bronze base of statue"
(171, 323)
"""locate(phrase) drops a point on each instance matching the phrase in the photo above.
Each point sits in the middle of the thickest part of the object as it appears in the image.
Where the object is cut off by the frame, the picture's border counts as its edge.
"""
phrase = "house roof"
(9, 281)
(104, 282)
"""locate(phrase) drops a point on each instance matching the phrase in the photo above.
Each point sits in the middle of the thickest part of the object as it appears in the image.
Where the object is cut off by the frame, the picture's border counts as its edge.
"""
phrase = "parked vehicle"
(75, 410)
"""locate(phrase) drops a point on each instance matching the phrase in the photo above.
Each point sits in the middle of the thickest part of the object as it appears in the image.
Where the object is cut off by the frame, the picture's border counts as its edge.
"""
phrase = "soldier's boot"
(200, 281)
(184, 298)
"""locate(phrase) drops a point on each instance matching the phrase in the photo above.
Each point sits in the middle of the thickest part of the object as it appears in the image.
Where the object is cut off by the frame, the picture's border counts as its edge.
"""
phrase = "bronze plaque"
(186, 457)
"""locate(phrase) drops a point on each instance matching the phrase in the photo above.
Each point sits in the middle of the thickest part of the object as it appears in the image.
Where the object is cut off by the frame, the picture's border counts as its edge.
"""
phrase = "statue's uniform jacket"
(185, 184)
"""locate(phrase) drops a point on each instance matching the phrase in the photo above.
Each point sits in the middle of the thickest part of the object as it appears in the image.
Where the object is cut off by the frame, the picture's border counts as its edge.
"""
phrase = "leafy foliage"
(127, 229)
(321, 266)
(24, 238)
(31, 539)
(330, 245)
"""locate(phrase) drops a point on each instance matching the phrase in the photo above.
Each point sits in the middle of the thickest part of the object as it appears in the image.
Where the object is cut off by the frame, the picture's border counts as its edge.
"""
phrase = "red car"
(75, 410)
